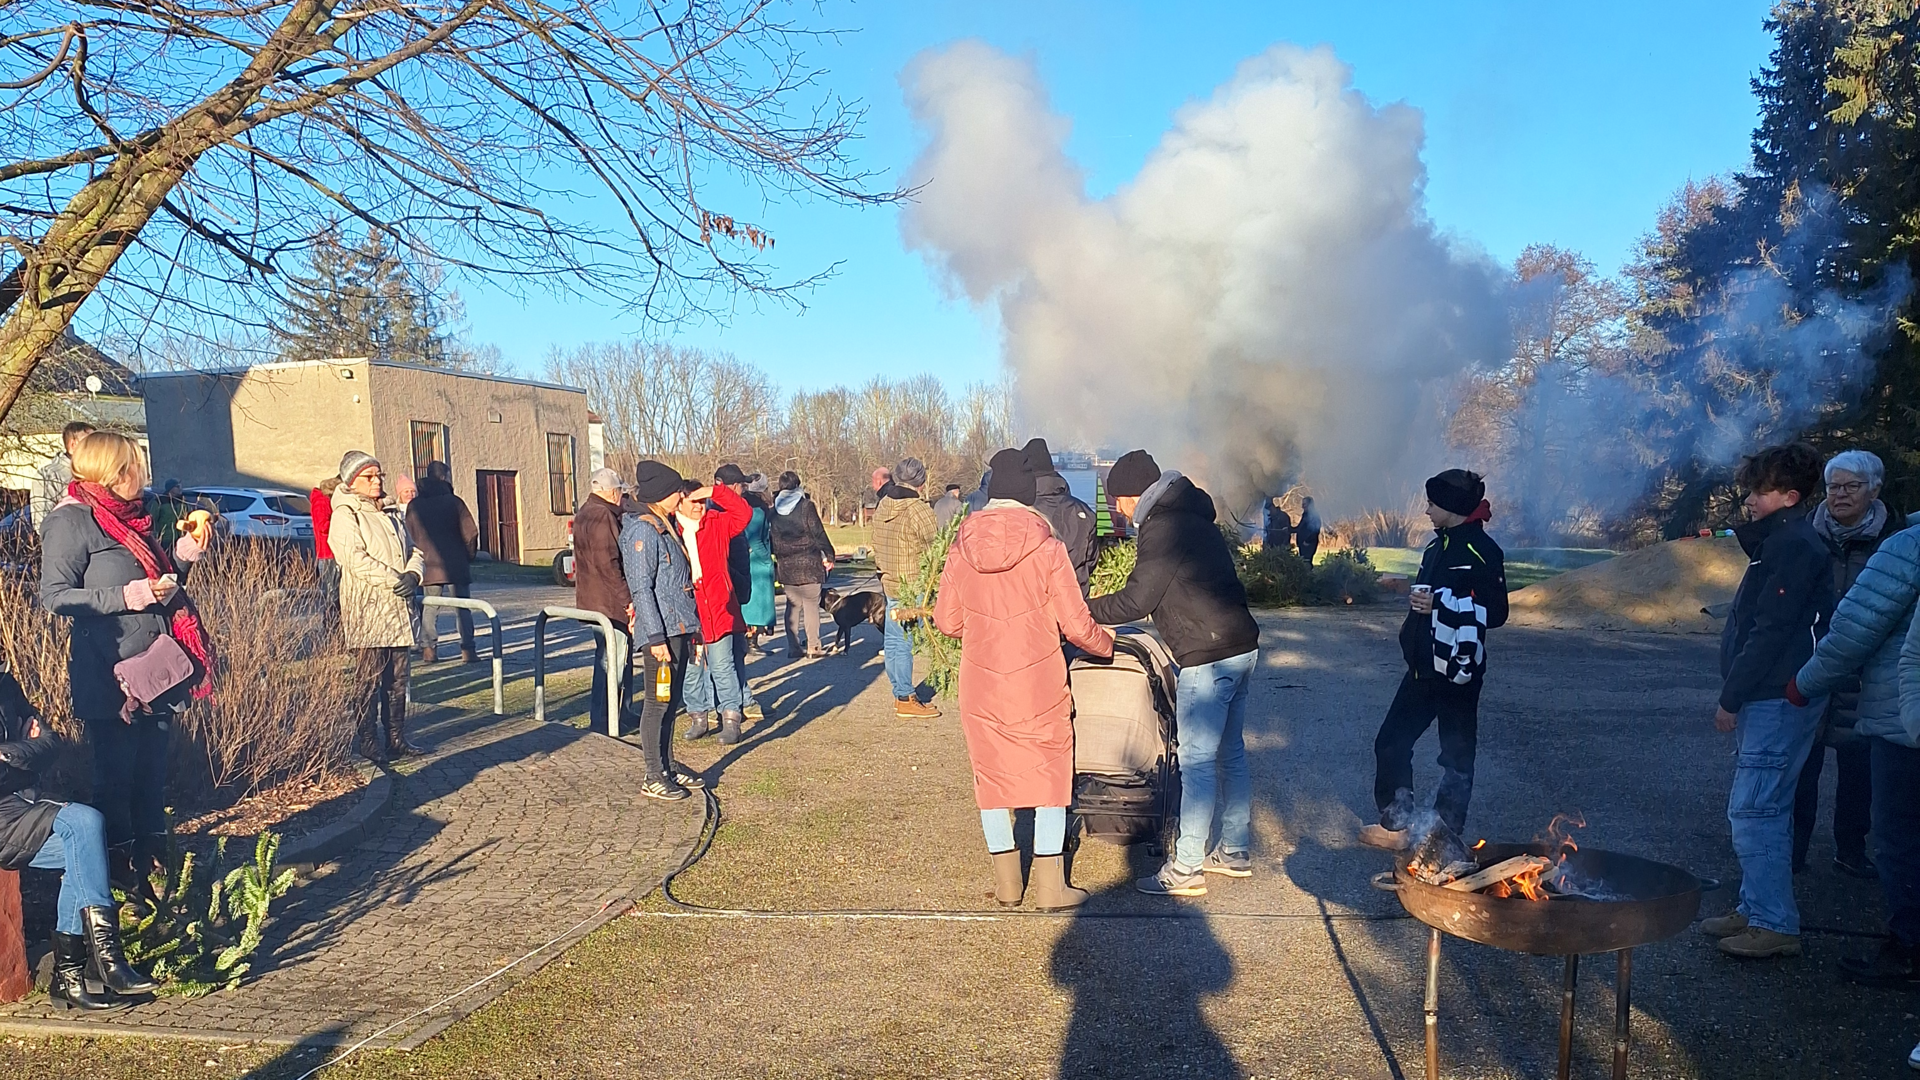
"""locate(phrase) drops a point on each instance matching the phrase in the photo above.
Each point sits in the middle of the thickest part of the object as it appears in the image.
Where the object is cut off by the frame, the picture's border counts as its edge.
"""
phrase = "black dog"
(852, 609)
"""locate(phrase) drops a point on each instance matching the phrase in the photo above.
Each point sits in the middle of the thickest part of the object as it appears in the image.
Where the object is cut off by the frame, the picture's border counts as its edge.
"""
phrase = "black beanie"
(729, 474)
(653, 481)
(1011, 477)
(1132, 475)
(1457, 491)
(1039, 457)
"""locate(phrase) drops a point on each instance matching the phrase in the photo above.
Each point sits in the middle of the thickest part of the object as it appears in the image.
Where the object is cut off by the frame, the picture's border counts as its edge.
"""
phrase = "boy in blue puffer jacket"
(1779, 612)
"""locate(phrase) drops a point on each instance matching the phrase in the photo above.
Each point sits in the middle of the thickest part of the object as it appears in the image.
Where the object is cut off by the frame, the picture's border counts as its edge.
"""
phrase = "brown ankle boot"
(1007, 886)
(1050, 889)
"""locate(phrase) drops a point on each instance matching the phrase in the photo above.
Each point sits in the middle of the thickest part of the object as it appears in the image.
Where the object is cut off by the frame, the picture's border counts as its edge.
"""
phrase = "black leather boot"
(68, 989)
(366, 745)
(109, 958)
(397, 744)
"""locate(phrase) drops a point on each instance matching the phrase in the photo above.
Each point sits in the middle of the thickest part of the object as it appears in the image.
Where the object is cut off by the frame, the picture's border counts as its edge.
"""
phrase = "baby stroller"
(1126, 779)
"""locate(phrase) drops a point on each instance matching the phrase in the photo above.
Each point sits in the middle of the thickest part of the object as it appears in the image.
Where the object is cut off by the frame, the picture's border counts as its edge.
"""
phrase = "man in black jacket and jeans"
(1459, 594)
(1072, 520)
(1183, 576)
(1780, 612)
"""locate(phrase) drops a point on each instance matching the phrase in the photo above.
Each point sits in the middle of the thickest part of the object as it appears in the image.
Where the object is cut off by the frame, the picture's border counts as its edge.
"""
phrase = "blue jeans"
(1773, 738)
(1213, 758)
(899, 654)
(720, 672)
(78, 849)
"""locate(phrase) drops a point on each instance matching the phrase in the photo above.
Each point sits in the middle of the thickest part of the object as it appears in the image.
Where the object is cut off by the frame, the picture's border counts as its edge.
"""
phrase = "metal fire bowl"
(1663, 901)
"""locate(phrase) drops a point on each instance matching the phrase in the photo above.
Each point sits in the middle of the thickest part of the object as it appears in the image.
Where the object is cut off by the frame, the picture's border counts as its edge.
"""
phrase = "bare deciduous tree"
(171, 156)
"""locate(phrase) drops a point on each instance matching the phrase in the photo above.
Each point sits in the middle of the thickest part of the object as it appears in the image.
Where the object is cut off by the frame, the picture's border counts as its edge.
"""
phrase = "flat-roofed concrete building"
(516, 447)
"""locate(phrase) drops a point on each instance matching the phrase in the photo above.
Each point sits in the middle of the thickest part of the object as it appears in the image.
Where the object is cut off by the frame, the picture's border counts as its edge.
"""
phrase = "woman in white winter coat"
(379, 588)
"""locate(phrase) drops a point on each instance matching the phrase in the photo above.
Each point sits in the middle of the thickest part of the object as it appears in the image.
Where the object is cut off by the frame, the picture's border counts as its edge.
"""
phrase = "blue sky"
(1561, 123)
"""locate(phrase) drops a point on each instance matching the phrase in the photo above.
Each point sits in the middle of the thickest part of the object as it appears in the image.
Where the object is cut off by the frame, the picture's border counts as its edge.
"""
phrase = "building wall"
(493, 424)
(276, 425)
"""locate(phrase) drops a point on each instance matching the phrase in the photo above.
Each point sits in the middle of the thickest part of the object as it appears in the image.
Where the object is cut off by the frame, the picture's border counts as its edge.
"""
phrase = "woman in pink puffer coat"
(1009, 594)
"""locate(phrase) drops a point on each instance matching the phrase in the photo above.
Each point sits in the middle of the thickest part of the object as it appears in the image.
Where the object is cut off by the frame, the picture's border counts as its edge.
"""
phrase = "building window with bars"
(429, 446)
(560, 493)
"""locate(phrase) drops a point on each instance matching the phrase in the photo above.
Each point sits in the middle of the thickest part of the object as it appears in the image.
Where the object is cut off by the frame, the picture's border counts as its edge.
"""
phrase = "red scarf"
(132, 528)
(1483, 512)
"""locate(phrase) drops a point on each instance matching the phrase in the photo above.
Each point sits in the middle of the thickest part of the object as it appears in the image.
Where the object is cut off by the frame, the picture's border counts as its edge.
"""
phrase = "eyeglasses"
(1852, 487)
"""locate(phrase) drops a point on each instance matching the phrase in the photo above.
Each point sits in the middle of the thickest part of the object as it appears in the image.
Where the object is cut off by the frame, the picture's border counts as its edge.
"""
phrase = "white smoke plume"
(1265, 301)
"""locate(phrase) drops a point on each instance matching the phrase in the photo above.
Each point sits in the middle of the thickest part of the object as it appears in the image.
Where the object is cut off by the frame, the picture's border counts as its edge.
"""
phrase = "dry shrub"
(1381, 528)
(282, 682)
(278, 713)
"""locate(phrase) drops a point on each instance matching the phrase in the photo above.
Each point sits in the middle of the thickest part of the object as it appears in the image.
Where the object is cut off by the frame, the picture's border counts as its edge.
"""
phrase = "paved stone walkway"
(510, 834)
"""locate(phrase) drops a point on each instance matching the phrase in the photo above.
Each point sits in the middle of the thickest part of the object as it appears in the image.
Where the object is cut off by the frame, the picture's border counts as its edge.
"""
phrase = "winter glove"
(1794, 695)
(408, 584)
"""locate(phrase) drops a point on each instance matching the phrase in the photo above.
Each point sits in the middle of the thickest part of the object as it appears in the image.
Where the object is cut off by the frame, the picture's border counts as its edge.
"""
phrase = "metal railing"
(614, 654)
(493, 623)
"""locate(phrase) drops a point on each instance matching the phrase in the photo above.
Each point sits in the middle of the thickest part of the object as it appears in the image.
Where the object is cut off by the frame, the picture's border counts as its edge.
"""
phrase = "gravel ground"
(1301, 971)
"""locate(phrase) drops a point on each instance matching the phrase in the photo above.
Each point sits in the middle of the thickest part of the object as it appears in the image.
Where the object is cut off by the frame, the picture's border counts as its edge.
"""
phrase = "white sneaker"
(1913, 1057)
(1379, 836)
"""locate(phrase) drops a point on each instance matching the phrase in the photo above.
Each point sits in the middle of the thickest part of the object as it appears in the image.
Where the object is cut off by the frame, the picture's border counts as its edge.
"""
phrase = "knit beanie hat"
(1011, 477)
(355, 463)
(1132, 475)
(1457, 491)
(1039, 456)
(653, 481)
(910, 473)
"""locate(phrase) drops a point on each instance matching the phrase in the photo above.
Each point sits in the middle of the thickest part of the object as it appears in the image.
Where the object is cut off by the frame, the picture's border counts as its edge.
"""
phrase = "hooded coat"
(801, 547)
(727, 516)
(1009, 595)
(371, 545)
(443, 529)
(1781, 610)
(1183, 575)
(1072, 522)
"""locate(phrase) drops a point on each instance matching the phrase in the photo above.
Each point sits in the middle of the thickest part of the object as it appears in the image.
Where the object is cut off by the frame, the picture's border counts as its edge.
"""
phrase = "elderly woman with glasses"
(1853, 521)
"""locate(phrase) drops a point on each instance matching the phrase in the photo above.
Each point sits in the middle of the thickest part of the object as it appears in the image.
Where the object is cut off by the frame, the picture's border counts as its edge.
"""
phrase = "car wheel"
(560, 576)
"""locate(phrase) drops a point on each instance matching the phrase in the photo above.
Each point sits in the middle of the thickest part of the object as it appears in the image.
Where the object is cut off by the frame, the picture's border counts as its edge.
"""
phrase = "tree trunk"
(16, 981)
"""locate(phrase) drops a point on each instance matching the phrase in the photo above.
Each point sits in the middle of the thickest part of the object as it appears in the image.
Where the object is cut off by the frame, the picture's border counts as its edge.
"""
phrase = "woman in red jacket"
(725, 516)
(320, 501)
(1009, 594)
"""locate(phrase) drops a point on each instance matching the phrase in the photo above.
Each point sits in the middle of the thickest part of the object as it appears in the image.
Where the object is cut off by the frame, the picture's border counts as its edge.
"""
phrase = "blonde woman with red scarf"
(138, 651)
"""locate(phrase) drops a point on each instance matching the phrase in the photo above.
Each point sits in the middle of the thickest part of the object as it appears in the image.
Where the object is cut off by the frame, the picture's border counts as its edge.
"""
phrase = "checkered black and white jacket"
(1467, 571)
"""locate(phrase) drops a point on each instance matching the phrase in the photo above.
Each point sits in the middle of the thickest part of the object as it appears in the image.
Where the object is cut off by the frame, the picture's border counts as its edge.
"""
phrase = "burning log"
(1499, 872)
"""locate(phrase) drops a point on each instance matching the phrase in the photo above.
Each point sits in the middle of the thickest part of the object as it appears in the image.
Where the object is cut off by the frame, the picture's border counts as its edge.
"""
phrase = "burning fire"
(1532, 884)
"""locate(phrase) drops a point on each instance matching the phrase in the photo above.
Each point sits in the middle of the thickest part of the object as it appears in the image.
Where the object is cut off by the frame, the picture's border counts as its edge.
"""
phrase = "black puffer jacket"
(25, 821)
(1849, 558)
(442, 527)
(1781, 610)
(83, 576)
(1072, 522)
(1183, 576)
(799, 542)
(1465, 561)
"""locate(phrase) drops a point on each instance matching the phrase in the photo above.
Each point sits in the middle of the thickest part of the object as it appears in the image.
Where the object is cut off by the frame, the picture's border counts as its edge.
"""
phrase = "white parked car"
(270, 513)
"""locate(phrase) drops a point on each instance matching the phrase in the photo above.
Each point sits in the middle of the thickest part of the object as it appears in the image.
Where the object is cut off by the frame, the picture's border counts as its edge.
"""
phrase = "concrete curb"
(306, 853)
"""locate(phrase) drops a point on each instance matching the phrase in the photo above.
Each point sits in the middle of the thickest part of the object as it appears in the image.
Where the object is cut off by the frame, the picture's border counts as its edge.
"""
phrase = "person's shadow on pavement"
(1137, 985)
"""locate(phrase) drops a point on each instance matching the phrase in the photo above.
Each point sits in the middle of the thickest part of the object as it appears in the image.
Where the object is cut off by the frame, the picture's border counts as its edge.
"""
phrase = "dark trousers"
(1417, 705)
(623, 667)
(380, 684)
(1896, 835)
(1852, 800)
(1308, 548)
(464, 592)
(656, 716)
(130, 775)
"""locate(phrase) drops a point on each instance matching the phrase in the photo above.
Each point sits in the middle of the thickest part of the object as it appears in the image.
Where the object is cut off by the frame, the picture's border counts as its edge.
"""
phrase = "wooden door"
(499, 514)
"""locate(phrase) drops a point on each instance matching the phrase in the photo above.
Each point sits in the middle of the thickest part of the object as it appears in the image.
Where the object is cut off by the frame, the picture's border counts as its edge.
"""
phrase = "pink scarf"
(130, 527)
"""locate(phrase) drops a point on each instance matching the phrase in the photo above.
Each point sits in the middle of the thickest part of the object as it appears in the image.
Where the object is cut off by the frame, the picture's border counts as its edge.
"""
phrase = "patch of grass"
(1525, 566)
(848, 537)
(768, 784)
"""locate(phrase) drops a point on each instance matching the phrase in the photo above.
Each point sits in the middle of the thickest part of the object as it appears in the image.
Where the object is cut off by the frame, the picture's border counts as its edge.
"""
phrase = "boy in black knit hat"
(1460, 594)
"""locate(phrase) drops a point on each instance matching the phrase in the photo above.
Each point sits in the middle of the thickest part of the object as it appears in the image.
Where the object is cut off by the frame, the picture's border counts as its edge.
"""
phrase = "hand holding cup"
(1420, 599)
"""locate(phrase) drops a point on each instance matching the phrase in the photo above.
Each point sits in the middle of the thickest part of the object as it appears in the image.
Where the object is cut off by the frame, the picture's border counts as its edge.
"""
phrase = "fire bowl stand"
(1623, 1010)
